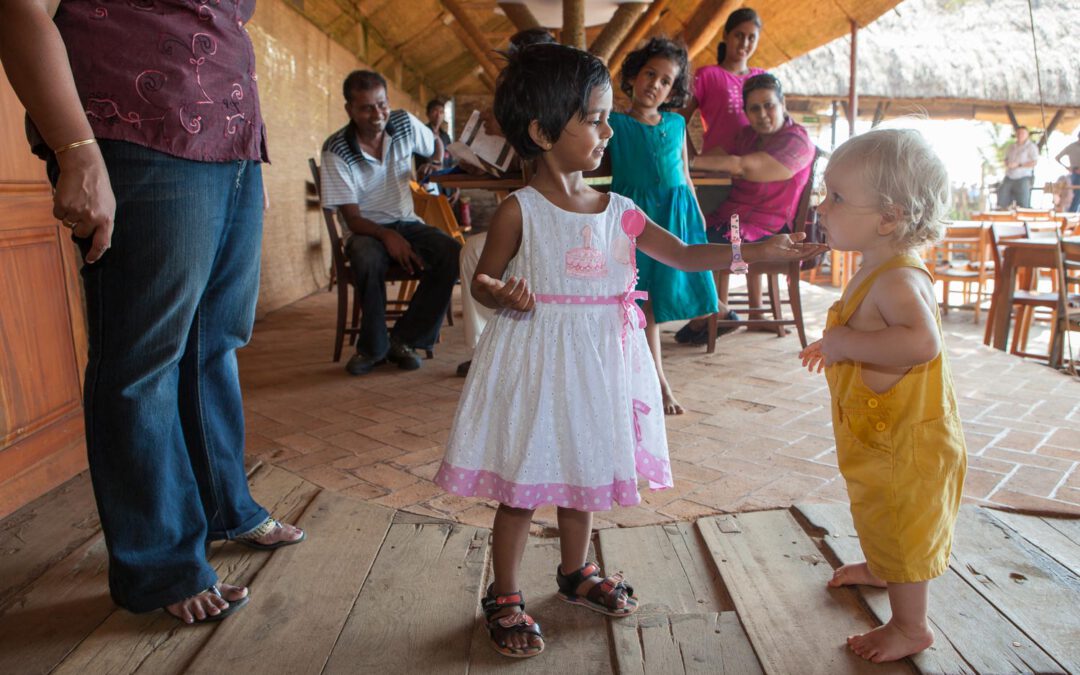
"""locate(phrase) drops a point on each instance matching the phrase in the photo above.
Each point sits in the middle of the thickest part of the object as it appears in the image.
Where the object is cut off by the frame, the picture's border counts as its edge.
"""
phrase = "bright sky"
(962, 144)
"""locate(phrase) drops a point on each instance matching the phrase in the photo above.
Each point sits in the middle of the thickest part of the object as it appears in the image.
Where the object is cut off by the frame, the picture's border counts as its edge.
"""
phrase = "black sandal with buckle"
(610, 595)
(501, 627)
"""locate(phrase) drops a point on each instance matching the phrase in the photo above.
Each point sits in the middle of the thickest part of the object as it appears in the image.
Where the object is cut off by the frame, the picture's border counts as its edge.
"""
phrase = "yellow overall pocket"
(937, 447)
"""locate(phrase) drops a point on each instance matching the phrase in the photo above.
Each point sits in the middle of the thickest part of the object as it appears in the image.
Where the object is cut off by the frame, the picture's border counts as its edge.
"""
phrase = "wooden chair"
(1067, 319)
(435, 210)
(772, 272)
(345, 283)
(1000, 232)
(962, 256)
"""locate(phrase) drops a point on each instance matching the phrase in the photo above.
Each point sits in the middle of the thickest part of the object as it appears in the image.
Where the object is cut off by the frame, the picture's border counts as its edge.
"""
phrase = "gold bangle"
(69, 146)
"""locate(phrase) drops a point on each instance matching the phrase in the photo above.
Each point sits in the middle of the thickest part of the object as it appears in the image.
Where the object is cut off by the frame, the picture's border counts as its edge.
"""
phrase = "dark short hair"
(433, 103)
(549, 83)
(762, 81)
(737, 17)
(531, 36)
(362, 80)
(667, 49)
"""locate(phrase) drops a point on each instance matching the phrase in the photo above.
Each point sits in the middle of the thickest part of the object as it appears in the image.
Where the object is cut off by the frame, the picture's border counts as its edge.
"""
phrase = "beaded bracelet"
(69, 146)
(738, 265)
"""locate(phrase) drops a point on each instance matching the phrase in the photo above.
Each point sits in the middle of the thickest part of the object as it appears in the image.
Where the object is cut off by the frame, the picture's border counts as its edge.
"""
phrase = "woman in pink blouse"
(718, 89)
(770, 162)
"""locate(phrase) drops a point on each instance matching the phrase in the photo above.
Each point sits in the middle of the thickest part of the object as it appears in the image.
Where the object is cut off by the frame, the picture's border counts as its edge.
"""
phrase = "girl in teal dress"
(649, 165)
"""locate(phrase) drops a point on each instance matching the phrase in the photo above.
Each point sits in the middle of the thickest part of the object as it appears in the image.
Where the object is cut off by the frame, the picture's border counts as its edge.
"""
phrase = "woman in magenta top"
(718, 89)
(770, 163)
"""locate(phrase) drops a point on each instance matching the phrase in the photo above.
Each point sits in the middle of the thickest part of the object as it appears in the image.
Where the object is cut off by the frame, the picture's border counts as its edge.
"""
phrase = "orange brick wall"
(300, 72)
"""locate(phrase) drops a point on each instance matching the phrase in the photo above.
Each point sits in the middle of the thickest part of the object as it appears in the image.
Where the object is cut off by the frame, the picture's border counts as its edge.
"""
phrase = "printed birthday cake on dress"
(585, 261)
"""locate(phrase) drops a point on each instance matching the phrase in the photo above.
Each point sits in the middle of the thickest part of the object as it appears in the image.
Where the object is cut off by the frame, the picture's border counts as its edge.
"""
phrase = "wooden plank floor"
(375, 590)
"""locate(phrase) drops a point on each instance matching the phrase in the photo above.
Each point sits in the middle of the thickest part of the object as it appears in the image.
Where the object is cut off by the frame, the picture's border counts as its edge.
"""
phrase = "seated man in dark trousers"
(366, 169)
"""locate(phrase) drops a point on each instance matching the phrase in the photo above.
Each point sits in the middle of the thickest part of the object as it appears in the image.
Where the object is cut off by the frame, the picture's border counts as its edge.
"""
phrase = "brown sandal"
(499, 628)
(612, 595)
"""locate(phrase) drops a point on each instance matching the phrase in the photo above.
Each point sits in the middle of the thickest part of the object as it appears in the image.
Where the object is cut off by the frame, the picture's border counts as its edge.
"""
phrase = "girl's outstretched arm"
(905, 298)
(503, 241)
(661, 245)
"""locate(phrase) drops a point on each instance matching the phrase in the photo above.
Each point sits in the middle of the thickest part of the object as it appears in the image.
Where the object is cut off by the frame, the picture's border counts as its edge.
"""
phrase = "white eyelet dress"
(562, 404)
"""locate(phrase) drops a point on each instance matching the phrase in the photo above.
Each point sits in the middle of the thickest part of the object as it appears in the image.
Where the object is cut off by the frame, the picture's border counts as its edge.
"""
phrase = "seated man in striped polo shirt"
(365, 172)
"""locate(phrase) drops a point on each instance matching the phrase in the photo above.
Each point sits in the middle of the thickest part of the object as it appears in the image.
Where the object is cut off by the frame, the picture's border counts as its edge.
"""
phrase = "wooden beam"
(1012, 117)
(520, 15)
(853, 92)
(644, 23)
(1050, 127)
(474, 39)
(708, 20)
(371, 35)
(468, 77)
(573, 23)
(616, 30)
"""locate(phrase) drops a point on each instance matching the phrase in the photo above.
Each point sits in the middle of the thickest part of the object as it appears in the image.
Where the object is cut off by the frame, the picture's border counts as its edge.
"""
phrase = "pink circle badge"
(633, 223)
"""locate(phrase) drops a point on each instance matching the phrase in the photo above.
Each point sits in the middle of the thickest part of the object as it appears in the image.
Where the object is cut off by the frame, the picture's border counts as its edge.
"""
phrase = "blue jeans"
(419, 326)
(1015, 190)
(1074, 180)
(167, 307)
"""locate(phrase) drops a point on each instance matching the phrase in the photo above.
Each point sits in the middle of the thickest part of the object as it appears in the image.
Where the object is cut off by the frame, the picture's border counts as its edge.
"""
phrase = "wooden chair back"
(435, 210)
(1067, 317)
(1043, 228)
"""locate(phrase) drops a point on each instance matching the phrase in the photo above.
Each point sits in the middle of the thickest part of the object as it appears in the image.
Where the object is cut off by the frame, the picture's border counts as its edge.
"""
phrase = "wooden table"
(513, 182)
(1019, 254)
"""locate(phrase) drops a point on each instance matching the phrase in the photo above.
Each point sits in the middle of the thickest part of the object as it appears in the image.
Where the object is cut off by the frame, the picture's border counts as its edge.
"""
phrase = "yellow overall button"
(880, 426)
(873, 403)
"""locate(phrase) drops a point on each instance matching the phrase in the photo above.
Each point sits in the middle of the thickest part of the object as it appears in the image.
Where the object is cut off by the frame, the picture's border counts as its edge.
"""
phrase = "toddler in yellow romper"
(898, 438)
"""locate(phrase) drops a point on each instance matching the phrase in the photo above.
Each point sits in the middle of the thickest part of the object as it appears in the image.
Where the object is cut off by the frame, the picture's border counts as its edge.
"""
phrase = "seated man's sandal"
(500, 628)
(266, 527)
(611, 595)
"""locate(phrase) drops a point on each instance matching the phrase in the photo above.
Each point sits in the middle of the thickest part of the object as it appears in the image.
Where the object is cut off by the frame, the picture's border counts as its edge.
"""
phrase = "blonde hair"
(908, 176)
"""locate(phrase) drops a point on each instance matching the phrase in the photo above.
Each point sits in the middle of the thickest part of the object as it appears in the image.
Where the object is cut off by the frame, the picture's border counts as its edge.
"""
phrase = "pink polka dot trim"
(480, 483)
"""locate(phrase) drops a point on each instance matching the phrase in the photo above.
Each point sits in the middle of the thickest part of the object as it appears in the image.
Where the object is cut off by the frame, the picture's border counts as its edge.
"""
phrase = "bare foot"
(671, 406)
(855, 574)
(206, 604)
(889, 643)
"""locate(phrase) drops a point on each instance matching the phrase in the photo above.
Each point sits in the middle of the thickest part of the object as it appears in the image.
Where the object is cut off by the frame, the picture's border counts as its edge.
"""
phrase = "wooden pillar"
(647, 21)
(1012, 117)
(832, 140)
(708, 20)
(879, 113)
(573, 23)
(616, 30)
(475, 41)
(519, 15)
(853, 92)
(1050, 127)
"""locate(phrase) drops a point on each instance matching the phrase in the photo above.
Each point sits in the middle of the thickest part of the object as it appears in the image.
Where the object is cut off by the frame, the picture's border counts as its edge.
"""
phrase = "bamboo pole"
(616, 29)
(520, 15)
(644, 23)
(573, 23)
(853, 92)
(475, 41)
(708, 20)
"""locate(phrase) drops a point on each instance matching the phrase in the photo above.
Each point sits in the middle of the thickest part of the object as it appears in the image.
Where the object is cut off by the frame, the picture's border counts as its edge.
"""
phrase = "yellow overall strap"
(859, 294)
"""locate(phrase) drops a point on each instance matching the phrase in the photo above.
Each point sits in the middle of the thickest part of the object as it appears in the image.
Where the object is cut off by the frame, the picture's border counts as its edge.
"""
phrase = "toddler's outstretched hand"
(513, 293)
(812, 357)
(784, 247)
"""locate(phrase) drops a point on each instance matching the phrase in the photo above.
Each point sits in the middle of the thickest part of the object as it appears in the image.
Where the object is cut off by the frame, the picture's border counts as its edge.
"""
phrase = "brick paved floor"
(757, 433)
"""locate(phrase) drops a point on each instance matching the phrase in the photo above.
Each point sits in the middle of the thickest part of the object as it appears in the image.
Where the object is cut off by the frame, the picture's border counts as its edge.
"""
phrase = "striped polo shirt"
(380, 188)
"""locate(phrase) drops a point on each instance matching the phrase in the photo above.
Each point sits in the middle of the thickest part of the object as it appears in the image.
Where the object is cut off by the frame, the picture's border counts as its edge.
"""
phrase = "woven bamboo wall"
(300, 72)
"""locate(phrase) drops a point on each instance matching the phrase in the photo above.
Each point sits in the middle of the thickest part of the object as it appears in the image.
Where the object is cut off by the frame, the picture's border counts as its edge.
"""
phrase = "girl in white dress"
(562, 404)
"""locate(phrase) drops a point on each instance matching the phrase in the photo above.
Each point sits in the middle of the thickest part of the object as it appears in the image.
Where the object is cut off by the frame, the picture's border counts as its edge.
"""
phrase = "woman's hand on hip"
(83, 199)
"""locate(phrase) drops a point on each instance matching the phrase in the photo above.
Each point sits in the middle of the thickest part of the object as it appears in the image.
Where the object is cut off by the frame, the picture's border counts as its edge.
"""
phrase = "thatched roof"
(954, 58)
(423, 45)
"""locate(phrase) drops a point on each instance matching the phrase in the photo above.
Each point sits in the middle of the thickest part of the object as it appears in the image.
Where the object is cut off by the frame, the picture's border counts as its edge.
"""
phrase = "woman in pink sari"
(770, 162)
